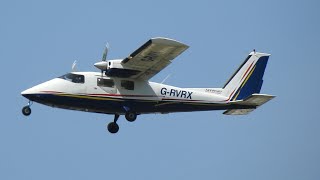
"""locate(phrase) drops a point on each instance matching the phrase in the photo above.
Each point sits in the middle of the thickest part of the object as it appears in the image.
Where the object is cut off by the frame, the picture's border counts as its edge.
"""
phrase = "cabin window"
(129, 85)
(75, 78)
(105, 82)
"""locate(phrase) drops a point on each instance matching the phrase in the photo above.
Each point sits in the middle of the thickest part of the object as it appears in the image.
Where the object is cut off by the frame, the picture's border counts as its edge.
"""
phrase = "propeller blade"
(73, 67)
(105, 52)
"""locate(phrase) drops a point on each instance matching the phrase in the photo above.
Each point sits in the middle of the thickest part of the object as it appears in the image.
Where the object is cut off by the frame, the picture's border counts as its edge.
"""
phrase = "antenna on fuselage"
(165, 78)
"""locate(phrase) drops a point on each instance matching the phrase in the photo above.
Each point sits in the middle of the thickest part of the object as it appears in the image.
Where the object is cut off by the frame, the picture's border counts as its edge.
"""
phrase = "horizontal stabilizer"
(253, 100)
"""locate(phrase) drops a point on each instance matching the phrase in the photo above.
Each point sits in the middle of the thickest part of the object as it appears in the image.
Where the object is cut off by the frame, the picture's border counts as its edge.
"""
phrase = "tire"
(26, 110)
(113, 127)
(131, 116)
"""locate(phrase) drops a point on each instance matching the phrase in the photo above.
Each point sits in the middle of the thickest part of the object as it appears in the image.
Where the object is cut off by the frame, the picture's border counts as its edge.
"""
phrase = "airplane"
(123, 87)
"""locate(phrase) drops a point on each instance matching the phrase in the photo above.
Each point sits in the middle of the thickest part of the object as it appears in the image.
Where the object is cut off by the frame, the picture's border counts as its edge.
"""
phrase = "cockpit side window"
(75, 78)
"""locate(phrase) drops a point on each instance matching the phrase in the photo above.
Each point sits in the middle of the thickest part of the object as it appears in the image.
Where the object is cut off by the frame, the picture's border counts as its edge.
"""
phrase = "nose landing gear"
(27, 110)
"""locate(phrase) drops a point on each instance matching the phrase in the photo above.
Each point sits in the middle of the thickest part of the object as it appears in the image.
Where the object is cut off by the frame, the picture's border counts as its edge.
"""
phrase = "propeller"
(103, 64)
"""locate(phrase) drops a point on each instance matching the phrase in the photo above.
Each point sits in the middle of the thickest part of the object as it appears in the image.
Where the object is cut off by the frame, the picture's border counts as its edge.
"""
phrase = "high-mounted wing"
(152, 57)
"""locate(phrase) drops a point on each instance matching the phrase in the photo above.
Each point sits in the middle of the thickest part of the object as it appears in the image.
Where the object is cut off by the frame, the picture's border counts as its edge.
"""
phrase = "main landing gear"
(131, 116)
(27, 110)
(113, 127)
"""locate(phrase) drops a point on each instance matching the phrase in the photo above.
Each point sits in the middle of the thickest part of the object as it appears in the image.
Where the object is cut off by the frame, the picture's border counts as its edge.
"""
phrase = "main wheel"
(131, 116)
(113, 127)
(26, 111)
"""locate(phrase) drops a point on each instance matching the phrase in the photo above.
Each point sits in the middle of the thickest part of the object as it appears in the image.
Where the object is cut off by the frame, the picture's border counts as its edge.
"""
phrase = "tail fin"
(247, 80)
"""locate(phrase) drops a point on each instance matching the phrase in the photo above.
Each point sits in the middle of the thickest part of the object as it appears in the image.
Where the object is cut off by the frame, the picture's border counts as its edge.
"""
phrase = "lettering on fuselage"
(213, 91)
(176, 93)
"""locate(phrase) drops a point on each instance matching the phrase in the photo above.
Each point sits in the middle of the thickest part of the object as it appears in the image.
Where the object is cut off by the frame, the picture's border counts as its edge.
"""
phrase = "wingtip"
(168, 41)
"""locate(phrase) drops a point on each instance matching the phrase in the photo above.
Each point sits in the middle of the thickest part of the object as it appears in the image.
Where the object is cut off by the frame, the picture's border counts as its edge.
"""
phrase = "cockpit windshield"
(75, 78)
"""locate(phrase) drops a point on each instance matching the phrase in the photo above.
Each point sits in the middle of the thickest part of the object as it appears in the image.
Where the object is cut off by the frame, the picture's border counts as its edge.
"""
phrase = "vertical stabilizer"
(248, 78)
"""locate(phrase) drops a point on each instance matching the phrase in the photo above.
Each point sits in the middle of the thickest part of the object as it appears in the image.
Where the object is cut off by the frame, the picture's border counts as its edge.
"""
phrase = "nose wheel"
(27, 110)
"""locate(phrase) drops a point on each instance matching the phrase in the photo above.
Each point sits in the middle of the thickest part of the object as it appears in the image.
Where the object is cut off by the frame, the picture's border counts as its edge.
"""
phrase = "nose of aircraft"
(33, 92)
(36, 92)
(28, 93)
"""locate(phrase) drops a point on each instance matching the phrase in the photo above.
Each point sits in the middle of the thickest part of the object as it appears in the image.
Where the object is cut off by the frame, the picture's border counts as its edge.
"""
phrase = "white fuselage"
(89, 91)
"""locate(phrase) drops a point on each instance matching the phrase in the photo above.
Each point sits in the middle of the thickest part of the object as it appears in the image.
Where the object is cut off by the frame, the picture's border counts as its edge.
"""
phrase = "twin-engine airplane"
(122, 87)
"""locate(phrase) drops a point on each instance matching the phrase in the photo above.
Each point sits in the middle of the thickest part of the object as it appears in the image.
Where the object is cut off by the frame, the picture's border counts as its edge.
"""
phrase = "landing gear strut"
(113, 127)
(27, 110)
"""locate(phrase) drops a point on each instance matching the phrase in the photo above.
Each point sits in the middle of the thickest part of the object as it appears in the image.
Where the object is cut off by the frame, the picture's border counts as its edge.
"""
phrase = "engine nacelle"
(114, 68)
(105, 65)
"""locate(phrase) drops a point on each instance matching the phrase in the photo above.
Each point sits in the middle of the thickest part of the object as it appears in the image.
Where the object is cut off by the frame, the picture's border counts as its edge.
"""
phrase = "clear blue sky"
(39, 40)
